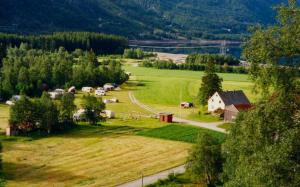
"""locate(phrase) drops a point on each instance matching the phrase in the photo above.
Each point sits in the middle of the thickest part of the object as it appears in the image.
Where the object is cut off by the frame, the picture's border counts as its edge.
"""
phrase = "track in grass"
(163, 90)
(183, 133)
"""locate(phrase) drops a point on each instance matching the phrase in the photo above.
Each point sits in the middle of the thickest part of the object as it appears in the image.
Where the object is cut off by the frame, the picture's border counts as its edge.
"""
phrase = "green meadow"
(178, 132)
(164, 90)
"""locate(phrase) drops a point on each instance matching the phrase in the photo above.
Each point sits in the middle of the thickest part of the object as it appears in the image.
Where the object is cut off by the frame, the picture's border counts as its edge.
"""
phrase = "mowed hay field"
(97, 158)
(105, 155)
(4, 115)
(165, 89)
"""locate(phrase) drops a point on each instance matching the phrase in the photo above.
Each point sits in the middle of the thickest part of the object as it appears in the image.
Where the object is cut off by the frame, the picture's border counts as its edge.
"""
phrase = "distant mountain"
(137, 18)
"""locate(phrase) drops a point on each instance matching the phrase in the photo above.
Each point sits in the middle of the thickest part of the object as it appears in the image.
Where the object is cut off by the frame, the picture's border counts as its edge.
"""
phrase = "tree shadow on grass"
(34, 174)
(79, 131)
(133, 85)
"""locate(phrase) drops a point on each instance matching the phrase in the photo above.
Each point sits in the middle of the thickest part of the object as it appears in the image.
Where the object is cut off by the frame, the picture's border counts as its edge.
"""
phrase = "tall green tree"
(48, 112)
(93, 107)
(262, 148)
(205, 160)
(66, 108)
(210, 84)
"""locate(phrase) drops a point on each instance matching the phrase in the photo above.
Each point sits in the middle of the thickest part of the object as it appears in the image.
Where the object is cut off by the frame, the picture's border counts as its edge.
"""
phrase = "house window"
(212, 100)
(220, 102)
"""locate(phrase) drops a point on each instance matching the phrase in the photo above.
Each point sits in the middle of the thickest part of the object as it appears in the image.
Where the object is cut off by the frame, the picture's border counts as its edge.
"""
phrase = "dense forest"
(137, 18)
(32, 71)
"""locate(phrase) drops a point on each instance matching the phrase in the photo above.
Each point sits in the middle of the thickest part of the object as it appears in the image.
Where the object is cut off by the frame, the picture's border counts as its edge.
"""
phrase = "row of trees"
(162, 64)
(42, 113)
(45, 114)
(262, 147)
(195, 59)
(137, 54)
(31, 71)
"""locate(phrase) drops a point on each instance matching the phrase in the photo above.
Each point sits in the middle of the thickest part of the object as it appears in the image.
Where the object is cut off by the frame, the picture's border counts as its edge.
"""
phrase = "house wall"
(230, 115)
(215, 102)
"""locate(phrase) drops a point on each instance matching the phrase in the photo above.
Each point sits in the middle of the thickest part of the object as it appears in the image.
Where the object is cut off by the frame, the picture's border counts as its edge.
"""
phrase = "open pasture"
(164, 90)
(179, 132)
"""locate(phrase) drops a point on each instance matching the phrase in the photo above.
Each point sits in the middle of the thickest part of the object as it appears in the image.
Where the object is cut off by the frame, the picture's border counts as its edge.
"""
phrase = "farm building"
(220, 100)
(166, 117)
(232, 111)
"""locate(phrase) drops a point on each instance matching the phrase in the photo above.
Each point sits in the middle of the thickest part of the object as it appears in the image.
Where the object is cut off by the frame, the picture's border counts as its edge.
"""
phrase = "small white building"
(220, 100)
(87, 89)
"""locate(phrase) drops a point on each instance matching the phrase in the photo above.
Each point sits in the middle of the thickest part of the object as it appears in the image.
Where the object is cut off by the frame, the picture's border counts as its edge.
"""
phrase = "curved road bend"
(180, 169)
(212, 126)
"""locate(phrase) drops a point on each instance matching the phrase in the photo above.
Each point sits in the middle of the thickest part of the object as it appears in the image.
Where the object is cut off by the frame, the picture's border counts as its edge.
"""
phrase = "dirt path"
(211, 126)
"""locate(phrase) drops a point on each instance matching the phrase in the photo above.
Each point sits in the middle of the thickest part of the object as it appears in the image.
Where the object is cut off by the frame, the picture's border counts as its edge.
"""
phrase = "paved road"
(180, 169)
(154, 178)
(211, 126)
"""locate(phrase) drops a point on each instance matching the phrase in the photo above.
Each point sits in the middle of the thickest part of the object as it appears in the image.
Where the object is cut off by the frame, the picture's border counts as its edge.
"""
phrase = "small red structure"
(166, 117)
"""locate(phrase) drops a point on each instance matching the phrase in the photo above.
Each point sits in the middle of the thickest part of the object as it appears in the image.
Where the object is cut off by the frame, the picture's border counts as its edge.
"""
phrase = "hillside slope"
(136, 18)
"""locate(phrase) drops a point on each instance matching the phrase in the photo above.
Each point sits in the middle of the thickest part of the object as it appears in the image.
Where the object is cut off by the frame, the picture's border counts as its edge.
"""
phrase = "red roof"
(241, 107)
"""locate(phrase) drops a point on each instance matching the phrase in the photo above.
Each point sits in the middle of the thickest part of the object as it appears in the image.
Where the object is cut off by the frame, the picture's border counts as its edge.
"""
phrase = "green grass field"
(164, 90)
(179, 132)
(116, 152)
(105, 155)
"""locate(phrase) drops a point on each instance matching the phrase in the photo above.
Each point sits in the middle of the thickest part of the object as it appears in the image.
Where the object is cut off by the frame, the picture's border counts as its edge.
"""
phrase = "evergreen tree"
(66, 108)
(210, 84)
(205, 160)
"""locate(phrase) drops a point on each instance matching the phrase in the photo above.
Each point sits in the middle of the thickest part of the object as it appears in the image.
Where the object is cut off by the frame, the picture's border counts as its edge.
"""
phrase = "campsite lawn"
(179, 132)
(164, 90)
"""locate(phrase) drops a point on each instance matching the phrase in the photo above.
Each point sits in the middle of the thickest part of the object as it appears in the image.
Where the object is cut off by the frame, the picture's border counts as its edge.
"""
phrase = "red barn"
(166, 117)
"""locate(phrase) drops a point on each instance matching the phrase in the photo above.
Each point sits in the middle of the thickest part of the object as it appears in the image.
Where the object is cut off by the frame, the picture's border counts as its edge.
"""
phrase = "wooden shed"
(166, 117)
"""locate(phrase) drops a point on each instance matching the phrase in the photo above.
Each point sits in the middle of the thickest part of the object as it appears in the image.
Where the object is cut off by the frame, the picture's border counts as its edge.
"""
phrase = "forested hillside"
(137, 18)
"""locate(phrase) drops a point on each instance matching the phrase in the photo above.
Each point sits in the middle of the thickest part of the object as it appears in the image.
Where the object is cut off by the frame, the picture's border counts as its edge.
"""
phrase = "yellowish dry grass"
(91, 160)
(4, 114)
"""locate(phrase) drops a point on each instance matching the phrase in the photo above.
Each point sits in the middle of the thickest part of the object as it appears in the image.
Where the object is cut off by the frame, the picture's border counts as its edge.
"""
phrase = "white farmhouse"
(220, 100)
